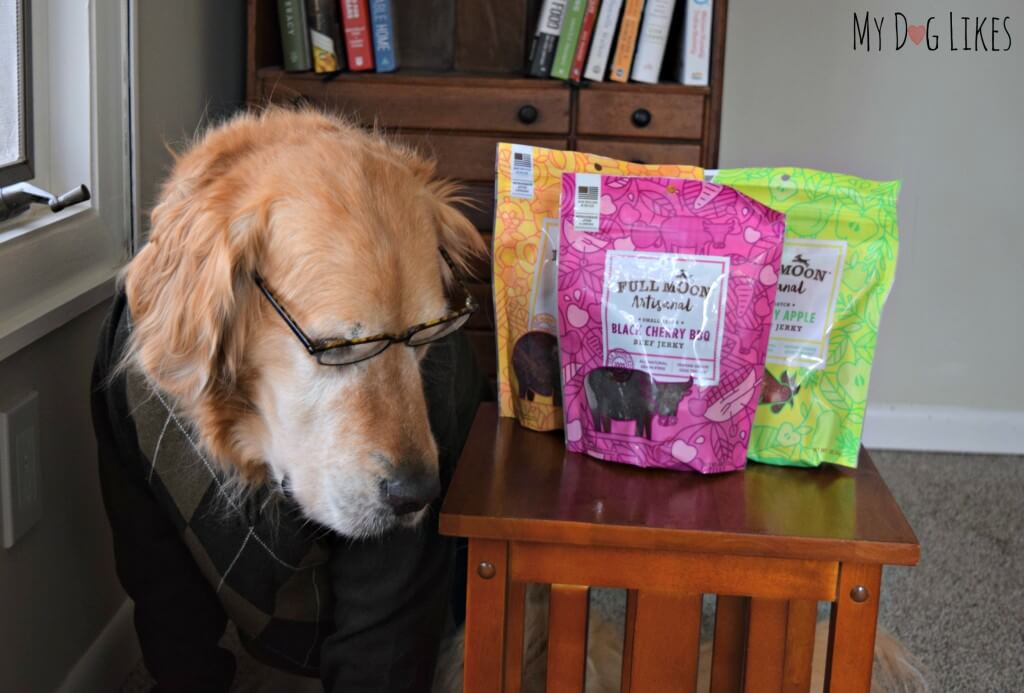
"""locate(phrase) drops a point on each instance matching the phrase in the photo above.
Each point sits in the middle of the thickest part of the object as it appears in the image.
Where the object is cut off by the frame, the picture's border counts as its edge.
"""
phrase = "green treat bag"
(838, 262)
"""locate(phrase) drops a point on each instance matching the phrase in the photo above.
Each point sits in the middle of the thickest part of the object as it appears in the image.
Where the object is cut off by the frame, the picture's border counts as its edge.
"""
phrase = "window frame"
(54, 267)
(23, 169)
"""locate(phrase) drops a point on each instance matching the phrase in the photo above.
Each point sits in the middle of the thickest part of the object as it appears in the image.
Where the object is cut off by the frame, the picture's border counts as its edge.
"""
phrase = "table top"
(515, 484)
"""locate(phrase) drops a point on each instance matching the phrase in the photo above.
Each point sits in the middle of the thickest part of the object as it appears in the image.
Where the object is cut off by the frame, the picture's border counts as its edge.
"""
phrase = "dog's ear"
(190, 289)
(456, 234)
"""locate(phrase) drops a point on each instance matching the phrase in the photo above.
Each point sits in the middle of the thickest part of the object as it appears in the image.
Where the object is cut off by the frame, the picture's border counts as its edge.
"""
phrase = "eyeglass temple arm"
(470, 301)
(306, 341)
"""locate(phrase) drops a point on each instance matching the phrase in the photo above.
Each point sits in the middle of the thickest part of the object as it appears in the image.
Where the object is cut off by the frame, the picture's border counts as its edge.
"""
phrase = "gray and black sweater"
(362, 615)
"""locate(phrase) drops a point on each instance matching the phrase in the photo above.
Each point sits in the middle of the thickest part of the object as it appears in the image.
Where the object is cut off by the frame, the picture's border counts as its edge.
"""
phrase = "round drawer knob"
(485, 570)
(528, 114)
(641, 118)
(860, 594)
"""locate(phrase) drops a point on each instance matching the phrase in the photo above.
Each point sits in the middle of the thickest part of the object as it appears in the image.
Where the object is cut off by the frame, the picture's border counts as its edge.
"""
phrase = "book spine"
(629, 27)
(650, 47)
(601, 44)
(356, 21)
(583, 44)
(324, 37)
(545, 40)
(696, 62)
(294, 35)
(382, 20)
(569, 37)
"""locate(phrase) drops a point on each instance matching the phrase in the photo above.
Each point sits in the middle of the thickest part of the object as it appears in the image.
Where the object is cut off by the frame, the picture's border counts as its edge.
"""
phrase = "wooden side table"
(769, 542)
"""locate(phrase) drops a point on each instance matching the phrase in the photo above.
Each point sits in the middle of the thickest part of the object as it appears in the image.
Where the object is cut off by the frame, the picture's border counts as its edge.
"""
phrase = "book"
(355, 19)
(650, 46)
(629, 28)
(385, 56)
(696, 58)
(545, 39)
(567, 40)
(424, 33)
(604, 36)
(291, 15)
(324, 36)
(583, 43)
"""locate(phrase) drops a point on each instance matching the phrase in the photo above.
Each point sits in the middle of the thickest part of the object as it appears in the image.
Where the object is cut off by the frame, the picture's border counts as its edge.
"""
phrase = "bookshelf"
(459, 115)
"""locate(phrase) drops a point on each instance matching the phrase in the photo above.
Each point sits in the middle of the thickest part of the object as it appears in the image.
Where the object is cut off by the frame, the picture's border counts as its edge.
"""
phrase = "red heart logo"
(916, 32)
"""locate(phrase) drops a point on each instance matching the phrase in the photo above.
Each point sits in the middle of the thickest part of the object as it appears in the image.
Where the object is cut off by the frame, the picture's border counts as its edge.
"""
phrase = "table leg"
(800, 624)
(515, 617)
(766, 645)
(851, 642)
(485, 616)
(567, 638)
(666, 641)
(627, 645)
(730, 643)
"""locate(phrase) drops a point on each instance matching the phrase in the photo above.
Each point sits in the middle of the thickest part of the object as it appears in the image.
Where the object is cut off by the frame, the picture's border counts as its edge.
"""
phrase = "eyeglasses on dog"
(344, 352)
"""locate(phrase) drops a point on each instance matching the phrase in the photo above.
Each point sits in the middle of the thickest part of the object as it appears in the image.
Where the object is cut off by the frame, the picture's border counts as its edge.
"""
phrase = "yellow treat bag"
(527, 191)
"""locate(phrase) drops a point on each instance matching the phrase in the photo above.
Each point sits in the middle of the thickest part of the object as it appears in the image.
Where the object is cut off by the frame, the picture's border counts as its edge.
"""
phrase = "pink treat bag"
(665, 296)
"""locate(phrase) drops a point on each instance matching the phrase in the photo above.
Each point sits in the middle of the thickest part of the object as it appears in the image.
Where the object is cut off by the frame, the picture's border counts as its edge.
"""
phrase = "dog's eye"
(351, 353)
(438, 331)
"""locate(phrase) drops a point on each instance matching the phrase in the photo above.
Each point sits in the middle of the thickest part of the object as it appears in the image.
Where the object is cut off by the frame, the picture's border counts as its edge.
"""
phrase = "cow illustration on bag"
(624, 394)
(535, 362)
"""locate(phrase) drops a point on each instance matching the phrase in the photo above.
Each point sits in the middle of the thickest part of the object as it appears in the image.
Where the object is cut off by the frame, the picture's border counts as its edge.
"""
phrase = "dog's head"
(344, 229)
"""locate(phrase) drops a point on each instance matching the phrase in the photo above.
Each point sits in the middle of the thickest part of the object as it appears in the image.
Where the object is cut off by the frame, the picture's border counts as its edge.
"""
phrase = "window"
(56, 266)
(15, 91)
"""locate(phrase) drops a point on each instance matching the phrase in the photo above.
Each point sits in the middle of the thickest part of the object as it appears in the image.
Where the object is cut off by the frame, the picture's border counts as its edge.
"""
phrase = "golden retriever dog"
(280, 394)
(345, 228)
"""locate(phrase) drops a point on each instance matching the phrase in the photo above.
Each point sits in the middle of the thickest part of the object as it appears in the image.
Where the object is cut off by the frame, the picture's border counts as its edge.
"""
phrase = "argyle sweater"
(363, 615)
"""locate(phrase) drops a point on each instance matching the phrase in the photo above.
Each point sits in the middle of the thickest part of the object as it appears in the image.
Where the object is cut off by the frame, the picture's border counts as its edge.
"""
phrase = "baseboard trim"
(110, 658)
(944, 429)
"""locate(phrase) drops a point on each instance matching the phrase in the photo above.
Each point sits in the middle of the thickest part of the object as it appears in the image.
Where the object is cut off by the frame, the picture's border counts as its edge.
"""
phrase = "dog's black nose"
(408, 493)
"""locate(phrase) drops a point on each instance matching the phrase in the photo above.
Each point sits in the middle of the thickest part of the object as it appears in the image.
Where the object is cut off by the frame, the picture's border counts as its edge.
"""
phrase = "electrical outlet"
(21, 504)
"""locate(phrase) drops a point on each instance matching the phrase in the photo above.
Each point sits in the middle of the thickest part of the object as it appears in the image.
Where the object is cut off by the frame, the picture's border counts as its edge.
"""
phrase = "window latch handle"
(16, 199)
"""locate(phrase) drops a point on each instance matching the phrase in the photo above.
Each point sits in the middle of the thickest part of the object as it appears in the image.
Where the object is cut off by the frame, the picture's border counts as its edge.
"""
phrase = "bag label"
(805, 302)
(664, 313)
(522, 171)
(586, 213)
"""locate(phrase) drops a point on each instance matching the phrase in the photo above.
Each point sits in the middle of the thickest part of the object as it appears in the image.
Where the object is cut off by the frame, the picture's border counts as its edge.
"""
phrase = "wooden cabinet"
(459, 117)
(674, 112)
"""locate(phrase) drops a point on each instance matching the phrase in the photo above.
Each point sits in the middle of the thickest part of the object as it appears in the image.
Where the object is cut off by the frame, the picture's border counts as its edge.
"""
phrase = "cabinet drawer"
(469, 157)
(482, 105)
(632, 113)
(641, 152)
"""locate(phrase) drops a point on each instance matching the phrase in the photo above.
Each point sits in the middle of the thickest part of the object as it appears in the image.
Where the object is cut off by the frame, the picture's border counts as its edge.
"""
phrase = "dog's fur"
(345, 228)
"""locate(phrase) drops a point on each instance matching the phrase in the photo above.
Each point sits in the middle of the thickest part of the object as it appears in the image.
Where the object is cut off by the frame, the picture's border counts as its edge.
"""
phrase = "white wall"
(191, 67)
(949, 125)
(57, 583)
(58, 589)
